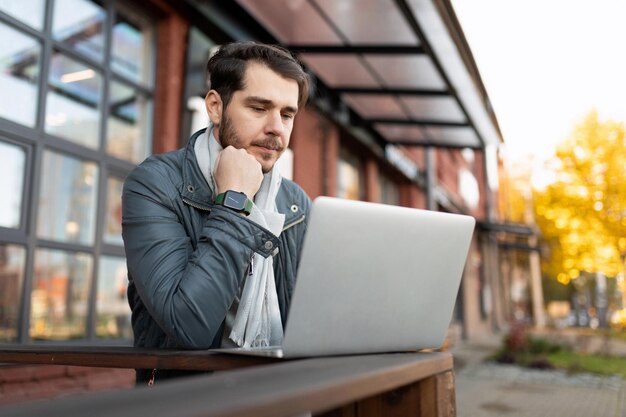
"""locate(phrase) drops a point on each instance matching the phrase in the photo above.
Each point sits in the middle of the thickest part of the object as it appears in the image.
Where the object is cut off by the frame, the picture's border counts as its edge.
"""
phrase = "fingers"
(238, 171)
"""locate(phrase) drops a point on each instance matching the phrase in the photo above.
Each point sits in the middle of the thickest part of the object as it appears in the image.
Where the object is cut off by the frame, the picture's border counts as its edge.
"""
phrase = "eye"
(287, 116)
(257, 109)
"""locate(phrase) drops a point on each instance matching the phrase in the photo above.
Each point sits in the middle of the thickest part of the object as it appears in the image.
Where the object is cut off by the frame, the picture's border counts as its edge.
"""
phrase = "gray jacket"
(187, 258)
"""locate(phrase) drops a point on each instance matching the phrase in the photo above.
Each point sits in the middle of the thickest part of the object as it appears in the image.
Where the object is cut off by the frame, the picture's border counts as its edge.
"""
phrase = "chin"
(266, 164)
(267, 168)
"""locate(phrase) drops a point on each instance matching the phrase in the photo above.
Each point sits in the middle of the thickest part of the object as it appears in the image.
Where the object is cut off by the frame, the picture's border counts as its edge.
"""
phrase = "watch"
(236, 201)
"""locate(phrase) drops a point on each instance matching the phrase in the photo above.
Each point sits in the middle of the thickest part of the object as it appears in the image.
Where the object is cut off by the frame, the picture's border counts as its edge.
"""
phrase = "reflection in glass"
(80, 25)
(58, 301)
(30, 12)
(12, 258)
(389, 191)
(198, 52)
(112, 311)
(67, 203)
(349, 176)
(128, 132)
(12, 159)
(72, 110)
(19, 71)
(113, 230)
(132, 47)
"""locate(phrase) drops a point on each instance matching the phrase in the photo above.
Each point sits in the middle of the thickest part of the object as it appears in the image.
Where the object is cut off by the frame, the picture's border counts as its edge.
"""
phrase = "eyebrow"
(268, 103)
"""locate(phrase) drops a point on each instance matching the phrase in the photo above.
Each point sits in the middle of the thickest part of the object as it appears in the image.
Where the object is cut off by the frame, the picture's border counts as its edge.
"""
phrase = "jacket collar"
(196, 192)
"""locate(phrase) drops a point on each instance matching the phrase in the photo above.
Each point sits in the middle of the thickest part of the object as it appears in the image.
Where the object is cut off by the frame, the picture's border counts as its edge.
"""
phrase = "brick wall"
(38, 382)
(448, 163)
(479, 173)
(315, 145)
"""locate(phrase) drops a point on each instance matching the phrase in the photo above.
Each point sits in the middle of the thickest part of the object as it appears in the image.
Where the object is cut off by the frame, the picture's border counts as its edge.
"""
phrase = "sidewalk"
(486, 389)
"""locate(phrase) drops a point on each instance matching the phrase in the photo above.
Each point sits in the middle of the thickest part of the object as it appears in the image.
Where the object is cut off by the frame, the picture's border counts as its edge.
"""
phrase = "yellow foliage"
(582, 214)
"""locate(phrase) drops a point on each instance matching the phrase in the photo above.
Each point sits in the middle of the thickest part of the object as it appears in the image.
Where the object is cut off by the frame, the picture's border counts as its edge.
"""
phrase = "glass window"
(30, 12)
(132, 47)
(12, 160)
(67, 203)
(73, 101)
(58, 301)
(198, 53)
(389, 191)
(80, 25)
(12, 258)
(349, 177)
(128, 133)
(113, 230)
(19, 71)
(112, 311)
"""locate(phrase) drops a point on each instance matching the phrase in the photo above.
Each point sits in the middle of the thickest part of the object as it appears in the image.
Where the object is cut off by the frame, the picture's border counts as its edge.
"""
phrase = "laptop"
(373, 278)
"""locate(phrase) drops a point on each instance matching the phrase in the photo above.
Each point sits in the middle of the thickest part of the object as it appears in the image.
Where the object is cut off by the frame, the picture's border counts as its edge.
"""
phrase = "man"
(212, 233)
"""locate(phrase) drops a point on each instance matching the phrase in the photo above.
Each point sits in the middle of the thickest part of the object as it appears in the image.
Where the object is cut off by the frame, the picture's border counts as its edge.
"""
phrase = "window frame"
(35, 140)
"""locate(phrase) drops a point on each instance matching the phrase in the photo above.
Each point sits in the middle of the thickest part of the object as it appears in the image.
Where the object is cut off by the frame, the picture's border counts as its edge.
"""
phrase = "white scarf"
(257, 321)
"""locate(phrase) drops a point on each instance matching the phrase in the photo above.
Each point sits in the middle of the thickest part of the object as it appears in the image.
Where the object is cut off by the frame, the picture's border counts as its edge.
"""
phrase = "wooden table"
(401, 384)
(127, 357)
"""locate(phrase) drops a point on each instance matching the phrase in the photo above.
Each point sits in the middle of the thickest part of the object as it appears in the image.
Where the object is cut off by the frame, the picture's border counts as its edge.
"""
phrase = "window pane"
(349, 177)
(12, 258)
(73, 101)
(128, 129)
(58, 302)
(19, 71)
(12, 160)
(113, 312)
(113, 230)
(30, 12)
(80, 24)
(389, 191)
(132, 47)
(67, 203)
(198, 52)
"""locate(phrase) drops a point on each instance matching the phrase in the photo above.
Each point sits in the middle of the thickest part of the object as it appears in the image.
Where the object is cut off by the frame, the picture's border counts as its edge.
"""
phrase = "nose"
(274, 124)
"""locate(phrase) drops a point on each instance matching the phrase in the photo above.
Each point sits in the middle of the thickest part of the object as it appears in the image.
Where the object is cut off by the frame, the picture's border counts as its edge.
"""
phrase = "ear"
(214, 107)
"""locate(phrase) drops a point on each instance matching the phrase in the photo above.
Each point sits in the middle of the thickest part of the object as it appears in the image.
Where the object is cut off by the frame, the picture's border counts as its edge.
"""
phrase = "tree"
(582, 214)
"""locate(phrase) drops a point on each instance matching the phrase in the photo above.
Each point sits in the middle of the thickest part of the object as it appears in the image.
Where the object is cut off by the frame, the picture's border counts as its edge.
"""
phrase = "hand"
(237, 170)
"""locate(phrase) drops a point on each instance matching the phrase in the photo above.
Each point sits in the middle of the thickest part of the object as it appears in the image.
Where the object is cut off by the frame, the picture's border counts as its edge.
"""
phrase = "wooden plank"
(437, 396)
(128, 357)
(286, 389)
(446, 394)
(428, 397)
(400, 402)
(345, 411)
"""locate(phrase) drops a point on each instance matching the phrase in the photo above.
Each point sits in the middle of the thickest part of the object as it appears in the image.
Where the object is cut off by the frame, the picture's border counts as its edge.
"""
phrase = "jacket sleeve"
(187, 292)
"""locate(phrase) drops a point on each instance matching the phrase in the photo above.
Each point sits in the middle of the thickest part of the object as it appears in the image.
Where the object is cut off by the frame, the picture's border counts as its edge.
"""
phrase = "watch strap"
(220, 198)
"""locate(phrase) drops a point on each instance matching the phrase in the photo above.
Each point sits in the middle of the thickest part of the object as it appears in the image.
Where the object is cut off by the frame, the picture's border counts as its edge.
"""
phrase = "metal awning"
(401, 65)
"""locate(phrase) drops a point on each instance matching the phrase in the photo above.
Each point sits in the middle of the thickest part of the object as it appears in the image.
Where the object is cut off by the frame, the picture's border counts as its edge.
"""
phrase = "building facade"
(89, 88)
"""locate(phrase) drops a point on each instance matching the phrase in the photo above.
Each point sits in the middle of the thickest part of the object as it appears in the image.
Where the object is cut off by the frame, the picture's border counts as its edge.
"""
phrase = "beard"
(230, 137)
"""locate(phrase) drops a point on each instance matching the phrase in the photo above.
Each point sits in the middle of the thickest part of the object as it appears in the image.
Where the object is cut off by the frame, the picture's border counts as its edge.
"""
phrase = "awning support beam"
(358, 49)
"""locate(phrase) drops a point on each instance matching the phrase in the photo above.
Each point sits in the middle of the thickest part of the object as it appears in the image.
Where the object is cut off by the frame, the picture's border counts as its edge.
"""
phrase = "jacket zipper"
(295, 222)
(194, 205)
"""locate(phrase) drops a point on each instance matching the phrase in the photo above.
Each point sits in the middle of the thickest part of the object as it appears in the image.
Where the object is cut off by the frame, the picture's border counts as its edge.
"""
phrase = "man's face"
(259, 118)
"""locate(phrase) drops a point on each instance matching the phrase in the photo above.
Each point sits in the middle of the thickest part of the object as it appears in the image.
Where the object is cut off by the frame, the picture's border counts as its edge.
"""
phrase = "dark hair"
(227, 67)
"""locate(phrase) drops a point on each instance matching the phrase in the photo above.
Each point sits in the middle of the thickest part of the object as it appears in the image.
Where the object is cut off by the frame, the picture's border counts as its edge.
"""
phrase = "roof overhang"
(401, 66)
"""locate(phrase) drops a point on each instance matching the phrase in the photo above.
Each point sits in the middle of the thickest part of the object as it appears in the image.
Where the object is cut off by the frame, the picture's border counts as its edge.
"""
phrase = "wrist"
(236, 201)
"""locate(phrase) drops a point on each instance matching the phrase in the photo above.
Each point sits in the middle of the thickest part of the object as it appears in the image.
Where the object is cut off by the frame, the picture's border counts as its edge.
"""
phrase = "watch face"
(235, 200)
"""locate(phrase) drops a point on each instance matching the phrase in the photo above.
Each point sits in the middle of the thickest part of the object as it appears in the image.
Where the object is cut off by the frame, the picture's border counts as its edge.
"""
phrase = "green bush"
(521, 349)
